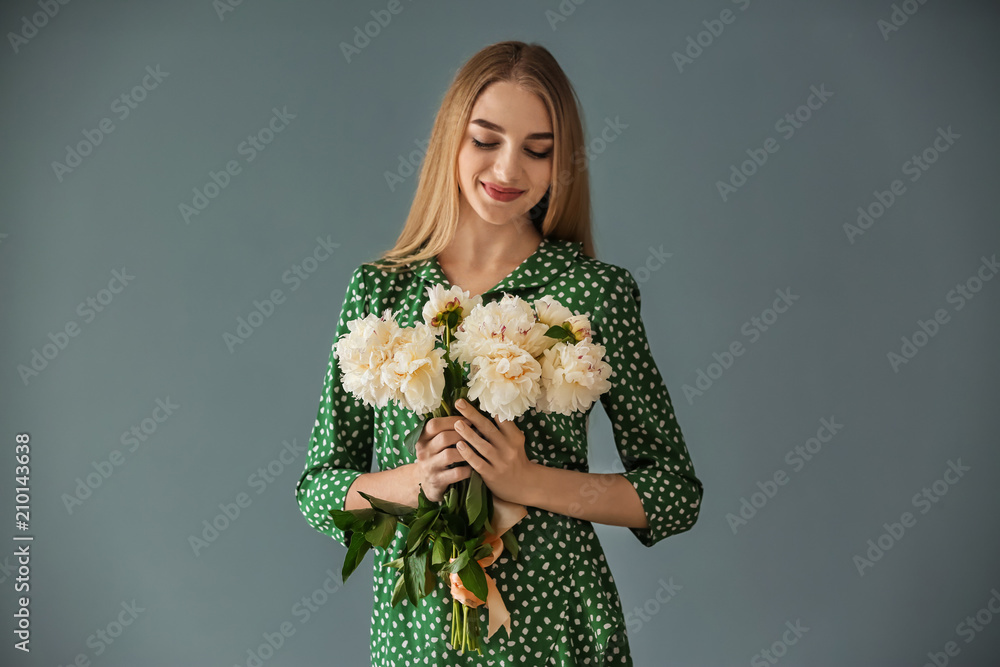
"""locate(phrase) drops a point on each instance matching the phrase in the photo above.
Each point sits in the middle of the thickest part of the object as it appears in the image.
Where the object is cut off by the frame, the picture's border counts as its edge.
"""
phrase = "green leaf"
(559, 333)
(451, 499)
(397, 564)
(399, 590)
(415, 567)
(411, 438)
(422, 503)
(474, 578)
(418, 531)
(355, 554)
(454, 566)
(474, 497)
(440, 552)
(510, 543)
(430, 581)
(383, 531)
(482, 551)
(349, 520)
(387, 505)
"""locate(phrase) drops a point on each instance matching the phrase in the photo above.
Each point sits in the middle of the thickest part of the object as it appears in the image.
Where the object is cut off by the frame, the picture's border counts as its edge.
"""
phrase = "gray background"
(656, 185)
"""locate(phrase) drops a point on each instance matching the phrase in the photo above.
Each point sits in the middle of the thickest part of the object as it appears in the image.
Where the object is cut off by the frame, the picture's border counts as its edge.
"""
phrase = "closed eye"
(537, 156)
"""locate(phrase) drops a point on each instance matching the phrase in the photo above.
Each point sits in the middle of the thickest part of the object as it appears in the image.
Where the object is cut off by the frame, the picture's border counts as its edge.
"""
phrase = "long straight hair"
(563, 212)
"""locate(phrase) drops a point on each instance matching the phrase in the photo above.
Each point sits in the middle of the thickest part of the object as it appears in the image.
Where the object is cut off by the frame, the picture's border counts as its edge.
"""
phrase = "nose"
(507, 165)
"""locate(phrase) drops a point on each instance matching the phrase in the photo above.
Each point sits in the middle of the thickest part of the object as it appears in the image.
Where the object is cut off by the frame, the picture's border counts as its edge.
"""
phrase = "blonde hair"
(564, 211)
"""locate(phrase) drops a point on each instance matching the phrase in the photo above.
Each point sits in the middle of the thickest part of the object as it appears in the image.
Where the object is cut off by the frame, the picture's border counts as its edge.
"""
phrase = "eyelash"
(537, 156)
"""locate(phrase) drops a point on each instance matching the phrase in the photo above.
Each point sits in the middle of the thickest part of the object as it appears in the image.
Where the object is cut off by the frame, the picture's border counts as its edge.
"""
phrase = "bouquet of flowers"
(507, 356)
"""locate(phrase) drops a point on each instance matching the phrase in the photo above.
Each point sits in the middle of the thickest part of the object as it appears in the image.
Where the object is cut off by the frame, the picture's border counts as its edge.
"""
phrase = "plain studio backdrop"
(805, 193)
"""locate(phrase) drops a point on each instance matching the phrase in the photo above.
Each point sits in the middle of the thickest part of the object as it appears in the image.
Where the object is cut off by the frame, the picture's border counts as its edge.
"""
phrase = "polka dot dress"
(564, 604)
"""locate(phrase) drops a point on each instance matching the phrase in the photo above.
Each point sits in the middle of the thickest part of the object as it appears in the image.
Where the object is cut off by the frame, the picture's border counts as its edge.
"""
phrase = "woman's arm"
(598, 497)
(398, 485)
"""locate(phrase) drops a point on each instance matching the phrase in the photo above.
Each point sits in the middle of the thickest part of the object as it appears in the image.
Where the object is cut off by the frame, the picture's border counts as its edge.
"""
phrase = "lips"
(500, 193)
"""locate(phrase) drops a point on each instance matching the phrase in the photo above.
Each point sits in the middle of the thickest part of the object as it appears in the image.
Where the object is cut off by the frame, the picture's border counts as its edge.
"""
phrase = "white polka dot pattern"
(564, 604)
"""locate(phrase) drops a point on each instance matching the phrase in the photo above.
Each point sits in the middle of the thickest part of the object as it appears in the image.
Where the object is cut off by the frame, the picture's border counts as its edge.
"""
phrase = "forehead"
(512, 107)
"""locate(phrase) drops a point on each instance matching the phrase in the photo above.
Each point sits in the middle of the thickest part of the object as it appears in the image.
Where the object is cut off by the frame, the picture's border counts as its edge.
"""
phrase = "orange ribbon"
(505, 515)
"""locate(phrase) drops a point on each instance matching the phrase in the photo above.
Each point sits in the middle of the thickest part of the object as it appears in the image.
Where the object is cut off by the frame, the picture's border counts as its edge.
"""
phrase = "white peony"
(504, 378)
(381, 361)
(554, 314)
(363, 352)
(573, 377)
(416, 369)
(536, 341)
(441, 302)
(579, 326)
(551, 312)
(509, 320)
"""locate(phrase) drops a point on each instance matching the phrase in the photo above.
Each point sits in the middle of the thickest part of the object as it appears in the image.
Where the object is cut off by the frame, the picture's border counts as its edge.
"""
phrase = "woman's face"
(513, 153)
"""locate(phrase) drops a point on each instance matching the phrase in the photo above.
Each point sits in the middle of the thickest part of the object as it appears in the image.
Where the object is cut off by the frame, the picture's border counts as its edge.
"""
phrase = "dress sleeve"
(646, 432)
(340, 448)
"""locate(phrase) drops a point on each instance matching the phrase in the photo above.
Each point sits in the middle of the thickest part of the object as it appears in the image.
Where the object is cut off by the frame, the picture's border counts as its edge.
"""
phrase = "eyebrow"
(496, 128)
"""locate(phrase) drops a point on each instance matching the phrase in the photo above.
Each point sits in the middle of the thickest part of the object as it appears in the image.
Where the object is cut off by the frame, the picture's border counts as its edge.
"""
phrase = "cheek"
(470, 165)
(541, 173)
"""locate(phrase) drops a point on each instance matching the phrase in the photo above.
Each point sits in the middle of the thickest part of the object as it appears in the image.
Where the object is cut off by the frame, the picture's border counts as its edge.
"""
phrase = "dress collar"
(550, 260)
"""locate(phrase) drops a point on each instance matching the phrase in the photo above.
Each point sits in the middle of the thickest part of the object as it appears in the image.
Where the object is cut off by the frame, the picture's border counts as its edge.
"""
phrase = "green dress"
(563, 601)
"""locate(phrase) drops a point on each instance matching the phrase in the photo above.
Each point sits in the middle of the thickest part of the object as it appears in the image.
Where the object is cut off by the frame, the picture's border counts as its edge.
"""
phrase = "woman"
(502, 206)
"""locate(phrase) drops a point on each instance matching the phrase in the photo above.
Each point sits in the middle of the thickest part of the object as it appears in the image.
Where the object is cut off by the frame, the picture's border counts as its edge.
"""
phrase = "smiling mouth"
(501, 194)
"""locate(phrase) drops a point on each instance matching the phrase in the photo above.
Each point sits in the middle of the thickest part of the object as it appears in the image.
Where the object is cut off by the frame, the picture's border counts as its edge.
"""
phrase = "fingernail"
(461, 403)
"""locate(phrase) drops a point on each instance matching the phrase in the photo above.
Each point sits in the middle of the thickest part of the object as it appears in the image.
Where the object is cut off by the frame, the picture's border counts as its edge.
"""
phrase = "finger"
(436, 425)
(482, 422)
(506, 426)
(484, 446)
(473, 458)
(449, 457)
(458, 474)
(441, 443)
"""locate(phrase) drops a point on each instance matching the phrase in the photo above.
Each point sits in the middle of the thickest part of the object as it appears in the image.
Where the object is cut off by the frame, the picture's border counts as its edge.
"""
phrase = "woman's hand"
(435, 452)
(501, 460)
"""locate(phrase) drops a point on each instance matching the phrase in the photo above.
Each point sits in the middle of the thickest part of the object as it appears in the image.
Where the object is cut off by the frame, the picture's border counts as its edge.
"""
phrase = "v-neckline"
(436, 265)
